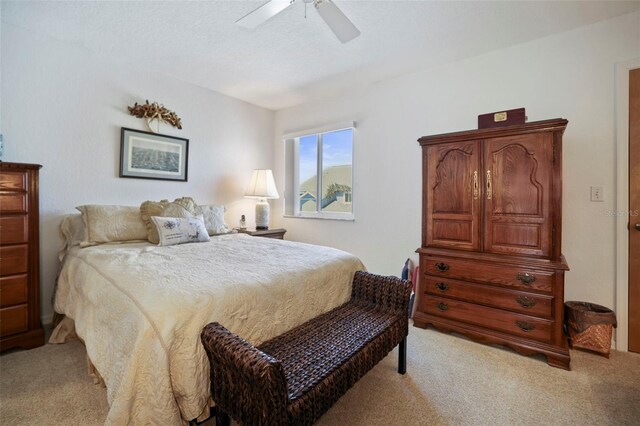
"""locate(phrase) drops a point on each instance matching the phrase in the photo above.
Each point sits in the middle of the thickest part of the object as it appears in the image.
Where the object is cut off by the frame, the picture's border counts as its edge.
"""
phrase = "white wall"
(63, 108)
(569, 75)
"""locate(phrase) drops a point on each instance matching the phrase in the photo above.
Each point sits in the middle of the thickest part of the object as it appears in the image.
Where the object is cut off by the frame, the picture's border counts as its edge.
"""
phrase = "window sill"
(345, 217)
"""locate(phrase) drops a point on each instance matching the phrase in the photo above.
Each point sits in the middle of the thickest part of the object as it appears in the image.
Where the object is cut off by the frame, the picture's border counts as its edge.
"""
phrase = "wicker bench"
(295, 378)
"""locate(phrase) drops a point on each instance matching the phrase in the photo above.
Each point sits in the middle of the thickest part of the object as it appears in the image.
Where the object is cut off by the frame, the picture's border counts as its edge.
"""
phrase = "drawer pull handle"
(525, 326)
(526, 278)
(526, 302)
(442, 306)
(440, 266)
(442, 286)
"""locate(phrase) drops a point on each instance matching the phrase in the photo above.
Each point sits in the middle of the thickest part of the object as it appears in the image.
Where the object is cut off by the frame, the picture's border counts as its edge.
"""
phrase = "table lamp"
(262, 186)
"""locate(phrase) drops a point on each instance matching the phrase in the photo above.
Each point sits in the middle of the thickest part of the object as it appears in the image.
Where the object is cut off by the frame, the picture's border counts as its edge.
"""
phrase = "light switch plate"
(597, 193)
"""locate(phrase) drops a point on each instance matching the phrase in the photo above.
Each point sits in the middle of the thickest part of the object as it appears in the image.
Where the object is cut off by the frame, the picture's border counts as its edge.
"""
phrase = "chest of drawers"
(495, 300)
(19, 257)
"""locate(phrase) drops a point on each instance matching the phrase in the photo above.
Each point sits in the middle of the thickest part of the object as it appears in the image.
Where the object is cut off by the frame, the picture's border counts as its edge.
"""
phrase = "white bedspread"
(140, 309)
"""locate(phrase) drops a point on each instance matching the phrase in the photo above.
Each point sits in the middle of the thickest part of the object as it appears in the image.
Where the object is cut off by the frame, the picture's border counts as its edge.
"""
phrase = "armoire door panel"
(521, 235)
(516, 188)
(452, 230)
(454, 195)
(454, 168)
(518, 173)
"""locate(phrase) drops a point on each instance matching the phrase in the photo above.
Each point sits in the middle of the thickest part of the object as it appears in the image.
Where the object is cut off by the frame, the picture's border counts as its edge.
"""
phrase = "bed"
(140, 308)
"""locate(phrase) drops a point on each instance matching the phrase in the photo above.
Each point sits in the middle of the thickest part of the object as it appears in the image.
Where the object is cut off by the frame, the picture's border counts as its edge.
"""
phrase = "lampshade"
(262, 185)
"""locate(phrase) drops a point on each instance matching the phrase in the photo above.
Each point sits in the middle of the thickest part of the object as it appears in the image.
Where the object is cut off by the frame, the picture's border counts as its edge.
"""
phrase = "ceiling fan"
(341, 26)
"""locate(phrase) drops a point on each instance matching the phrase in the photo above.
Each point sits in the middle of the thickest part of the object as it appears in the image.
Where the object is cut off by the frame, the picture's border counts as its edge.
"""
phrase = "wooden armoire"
(491, 260)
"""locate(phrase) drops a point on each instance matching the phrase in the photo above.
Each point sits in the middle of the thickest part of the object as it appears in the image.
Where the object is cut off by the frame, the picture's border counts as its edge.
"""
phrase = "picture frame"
(146, 155)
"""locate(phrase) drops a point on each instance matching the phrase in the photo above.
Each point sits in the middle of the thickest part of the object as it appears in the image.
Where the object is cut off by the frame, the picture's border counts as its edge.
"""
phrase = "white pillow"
(214, 218)
(72, 230)
(179, 230)
(108, 224)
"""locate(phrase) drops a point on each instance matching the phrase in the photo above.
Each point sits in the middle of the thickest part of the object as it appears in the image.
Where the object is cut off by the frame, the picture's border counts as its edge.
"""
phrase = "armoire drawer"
(13, 290)
(14, 319)
(518, 301)
(484, 272)
(14, 259)
(496, 319)
(14, 229)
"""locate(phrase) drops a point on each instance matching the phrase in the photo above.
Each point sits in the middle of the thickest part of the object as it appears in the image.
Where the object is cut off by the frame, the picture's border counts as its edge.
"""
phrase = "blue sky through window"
(337, 151)
(308, 157)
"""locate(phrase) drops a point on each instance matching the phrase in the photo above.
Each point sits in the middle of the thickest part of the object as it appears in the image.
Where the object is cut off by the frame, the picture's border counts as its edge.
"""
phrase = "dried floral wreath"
(155, 111)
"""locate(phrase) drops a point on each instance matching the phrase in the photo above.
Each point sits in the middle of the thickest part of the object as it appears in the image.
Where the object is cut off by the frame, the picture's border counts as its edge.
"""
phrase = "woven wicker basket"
(590, 326)
(596, 338)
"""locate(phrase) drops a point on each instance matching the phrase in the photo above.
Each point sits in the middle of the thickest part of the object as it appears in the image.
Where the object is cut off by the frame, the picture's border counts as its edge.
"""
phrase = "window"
(319, 174)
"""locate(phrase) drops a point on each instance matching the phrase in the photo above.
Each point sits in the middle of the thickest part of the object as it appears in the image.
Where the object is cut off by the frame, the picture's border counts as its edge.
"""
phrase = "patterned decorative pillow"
(147, 210)
(108, 224)
(176, 210)
(180, 230)
(214, 219)
(180, 207)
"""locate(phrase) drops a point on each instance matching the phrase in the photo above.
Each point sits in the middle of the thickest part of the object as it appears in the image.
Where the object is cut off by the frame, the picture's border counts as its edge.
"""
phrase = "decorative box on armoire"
(491, 256)
(19, 257)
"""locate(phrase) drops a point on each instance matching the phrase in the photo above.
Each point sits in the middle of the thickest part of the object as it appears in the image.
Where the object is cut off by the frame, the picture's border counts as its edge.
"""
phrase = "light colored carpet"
(449, 381)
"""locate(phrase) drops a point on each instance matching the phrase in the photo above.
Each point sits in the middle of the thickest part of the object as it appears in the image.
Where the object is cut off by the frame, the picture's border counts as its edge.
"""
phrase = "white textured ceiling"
(290, 59)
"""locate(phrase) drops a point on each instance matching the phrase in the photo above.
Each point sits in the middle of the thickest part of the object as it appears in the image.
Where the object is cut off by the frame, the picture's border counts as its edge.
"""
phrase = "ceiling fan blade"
(341, 26)
(262, 14)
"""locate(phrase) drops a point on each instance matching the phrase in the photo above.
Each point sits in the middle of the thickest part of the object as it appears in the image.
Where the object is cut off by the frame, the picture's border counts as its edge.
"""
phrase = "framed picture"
(145, 155)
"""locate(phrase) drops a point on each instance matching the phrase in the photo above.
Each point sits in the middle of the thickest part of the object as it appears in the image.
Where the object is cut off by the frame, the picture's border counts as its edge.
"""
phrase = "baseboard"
(46, 320)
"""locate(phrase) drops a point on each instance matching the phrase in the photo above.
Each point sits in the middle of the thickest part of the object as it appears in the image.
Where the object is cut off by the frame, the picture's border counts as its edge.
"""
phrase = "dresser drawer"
(14, 320)
(518, 301)
(13, 290)
(13, 202)
(13, 181)
(492, 273)
(13, 259)
(14, 229)
(496, 319)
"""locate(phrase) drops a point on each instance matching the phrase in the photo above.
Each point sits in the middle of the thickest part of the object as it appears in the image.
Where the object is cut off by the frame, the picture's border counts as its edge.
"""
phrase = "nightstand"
(277, 233)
